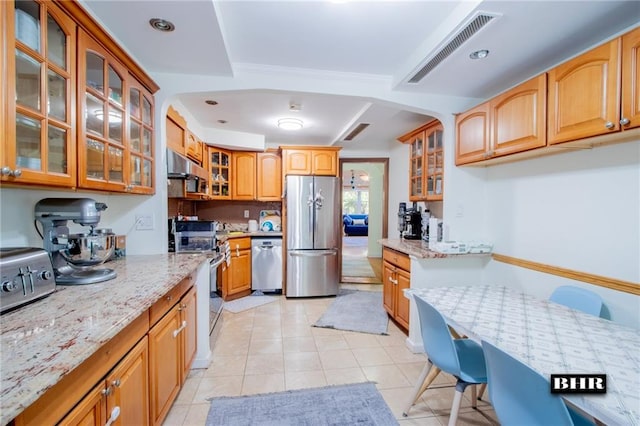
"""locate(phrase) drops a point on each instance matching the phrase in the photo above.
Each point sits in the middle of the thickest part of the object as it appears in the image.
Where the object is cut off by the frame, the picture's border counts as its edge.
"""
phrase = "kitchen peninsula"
(50, 342)
(410, 264)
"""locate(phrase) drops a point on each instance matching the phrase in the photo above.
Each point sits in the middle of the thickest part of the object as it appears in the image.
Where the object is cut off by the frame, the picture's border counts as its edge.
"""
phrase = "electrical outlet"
(246, 214)
(144, 222)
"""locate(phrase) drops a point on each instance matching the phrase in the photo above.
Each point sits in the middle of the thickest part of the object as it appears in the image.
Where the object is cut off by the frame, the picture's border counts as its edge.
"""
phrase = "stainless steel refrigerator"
(313, 235)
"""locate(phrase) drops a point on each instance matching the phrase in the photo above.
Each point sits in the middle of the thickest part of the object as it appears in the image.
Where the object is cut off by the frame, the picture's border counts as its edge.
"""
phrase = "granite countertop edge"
(42, 342)
(417, 249)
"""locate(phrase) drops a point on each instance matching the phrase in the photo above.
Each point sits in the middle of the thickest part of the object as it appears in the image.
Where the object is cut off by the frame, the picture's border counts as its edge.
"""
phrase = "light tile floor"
(274, 348)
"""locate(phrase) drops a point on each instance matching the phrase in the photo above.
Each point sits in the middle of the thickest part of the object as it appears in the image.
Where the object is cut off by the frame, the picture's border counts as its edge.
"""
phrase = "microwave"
(192, 236)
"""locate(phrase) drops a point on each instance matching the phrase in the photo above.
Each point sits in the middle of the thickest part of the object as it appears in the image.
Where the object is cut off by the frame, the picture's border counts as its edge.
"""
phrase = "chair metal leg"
(482, 388)
(427, 376)
(455, 408)
(474, 401)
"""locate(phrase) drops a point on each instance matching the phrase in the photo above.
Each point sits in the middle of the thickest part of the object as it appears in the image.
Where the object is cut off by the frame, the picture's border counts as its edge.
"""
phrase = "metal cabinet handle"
(624, 121)
(237, 250)
(106, 391)
(116, 383)
(393, 281)
(182, 327)
(6, 171)
(609, 125)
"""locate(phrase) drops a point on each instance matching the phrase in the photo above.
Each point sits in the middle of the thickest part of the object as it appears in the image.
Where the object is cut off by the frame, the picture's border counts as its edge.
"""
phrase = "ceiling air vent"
(356, 131)
(475, 25)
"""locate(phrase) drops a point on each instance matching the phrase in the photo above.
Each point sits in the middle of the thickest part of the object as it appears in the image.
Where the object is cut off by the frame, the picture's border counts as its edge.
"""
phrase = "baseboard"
(416, 349)
(201, 362)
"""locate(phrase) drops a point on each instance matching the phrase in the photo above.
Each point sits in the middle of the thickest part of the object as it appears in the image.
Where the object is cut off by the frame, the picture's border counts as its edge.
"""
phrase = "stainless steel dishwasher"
(266, 264)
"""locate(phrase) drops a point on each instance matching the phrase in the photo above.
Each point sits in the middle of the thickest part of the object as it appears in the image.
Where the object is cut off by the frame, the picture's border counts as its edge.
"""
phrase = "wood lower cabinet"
(300, 160)
(237, 277)
(123, 397)
(396, 269)
(269, 177)
(172, 348)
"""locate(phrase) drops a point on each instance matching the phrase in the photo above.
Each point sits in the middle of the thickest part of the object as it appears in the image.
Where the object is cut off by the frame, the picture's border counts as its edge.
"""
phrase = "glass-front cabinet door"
(140, 114)
(220, 171)
(40, 133)
(416, 166)
(434, 158)
(103, 162)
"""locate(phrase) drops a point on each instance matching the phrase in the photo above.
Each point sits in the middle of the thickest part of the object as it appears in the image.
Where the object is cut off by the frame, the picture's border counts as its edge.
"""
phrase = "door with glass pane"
(40, 135)
(103, 162)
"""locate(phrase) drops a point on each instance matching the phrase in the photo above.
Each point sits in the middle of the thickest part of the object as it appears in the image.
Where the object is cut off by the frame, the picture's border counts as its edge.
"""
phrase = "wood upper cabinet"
(630, 116)
(176, 131)
(38, 88)
(472, 134)
(125, 391)
(269, 177)
(243, 172)
(584, 96)
(220, 173)
(426, 162)
(518, 118)
(115, 118)
(310, 161)
(514, 121)
(194, 148)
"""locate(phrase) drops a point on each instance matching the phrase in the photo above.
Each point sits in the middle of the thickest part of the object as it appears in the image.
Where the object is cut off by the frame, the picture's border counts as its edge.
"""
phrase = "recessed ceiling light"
(211, 102)
(479, 54)
(290, 124)
(162, 25)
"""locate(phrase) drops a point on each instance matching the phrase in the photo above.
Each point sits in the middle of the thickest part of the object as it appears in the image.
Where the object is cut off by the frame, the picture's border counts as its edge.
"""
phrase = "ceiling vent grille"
(463, 35)
(356, 131)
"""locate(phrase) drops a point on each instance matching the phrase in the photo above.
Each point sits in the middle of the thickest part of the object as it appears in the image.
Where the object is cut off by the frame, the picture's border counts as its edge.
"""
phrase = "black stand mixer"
(74, 256)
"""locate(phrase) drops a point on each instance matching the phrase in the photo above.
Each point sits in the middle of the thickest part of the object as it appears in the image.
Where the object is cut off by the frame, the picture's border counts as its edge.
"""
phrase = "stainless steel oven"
(215, 288)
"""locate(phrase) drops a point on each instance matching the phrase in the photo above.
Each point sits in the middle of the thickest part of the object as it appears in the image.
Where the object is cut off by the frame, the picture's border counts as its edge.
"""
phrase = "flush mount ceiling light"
(162, 25)
(290, 124)
(479, 54)
(211, 102)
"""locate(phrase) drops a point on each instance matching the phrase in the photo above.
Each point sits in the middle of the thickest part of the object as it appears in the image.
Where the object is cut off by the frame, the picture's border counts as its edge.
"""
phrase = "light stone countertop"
(419, 250)
(43, 341)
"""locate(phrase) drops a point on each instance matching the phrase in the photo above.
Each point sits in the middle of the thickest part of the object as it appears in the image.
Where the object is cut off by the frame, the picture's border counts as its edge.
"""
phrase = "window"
(355, 201)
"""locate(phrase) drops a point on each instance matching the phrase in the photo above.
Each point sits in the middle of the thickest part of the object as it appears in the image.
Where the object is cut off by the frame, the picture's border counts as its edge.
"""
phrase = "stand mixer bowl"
(91, 249)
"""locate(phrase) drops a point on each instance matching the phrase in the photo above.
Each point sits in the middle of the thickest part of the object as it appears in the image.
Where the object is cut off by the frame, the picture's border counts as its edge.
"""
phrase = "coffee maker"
(410, 222)
(74, 256)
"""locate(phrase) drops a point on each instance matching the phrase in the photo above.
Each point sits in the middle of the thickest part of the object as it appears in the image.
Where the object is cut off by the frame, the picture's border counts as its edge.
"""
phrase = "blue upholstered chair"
(520, 396)
(461, 358)
(578, 298)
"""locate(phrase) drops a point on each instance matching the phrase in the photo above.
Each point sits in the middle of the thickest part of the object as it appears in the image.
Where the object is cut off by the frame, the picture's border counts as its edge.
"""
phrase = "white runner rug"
(248, 302)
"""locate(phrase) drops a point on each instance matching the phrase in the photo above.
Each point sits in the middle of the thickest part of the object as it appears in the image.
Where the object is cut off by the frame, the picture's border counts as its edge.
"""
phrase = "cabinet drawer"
(398, 259)
(166, 302)
(243, 243)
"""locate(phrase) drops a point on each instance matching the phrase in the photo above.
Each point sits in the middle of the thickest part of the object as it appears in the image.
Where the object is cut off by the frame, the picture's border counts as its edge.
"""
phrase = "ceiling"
(384, 42)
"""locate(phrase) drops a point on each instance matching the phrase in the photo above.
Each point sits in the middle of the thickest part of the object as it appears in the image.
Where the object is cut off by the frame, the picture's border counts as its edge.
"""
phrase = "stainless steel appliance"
(190, 177)
(266, 264)
(26, 275)
(215, 289)
(410, 222)
(313, 235)
(75, 256)
(192, 236)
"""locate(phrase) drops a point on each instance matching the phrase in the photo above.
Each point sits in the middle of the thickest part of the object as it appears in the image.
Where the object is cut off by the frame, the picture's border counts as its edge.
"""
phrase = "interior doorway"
(365, 183)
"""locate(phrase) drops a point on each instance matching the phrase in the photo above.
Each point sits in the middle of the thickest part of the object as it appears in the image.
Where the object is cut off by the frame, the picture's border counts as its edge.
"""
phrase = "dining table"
(551, 339)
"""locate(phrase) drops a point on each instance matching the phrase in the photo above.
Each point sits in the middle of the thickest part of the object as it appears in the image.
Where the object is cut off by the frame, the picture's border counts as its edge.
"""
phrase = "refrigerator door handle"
(319, 199)
(313, 253)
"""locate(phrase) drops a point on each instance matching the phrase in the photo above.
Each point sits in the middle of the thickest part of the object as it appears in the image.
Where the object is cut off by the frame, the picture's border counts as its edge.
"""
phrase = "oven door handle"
(217, 262)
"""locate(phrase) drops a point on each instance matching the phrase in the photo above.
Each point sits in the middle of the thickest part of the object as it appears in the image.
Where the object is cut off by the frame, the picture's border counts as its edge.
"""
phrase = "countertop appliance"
(266, 264)
(412, 224)
(192, 236)
(26, 275)
(74, 257)
(313, 234)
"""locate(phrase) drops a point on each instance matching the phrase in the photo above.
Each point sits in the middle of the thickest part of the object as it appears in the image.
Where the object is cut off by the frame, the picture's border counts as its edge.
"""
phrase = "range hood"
(180, 167)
